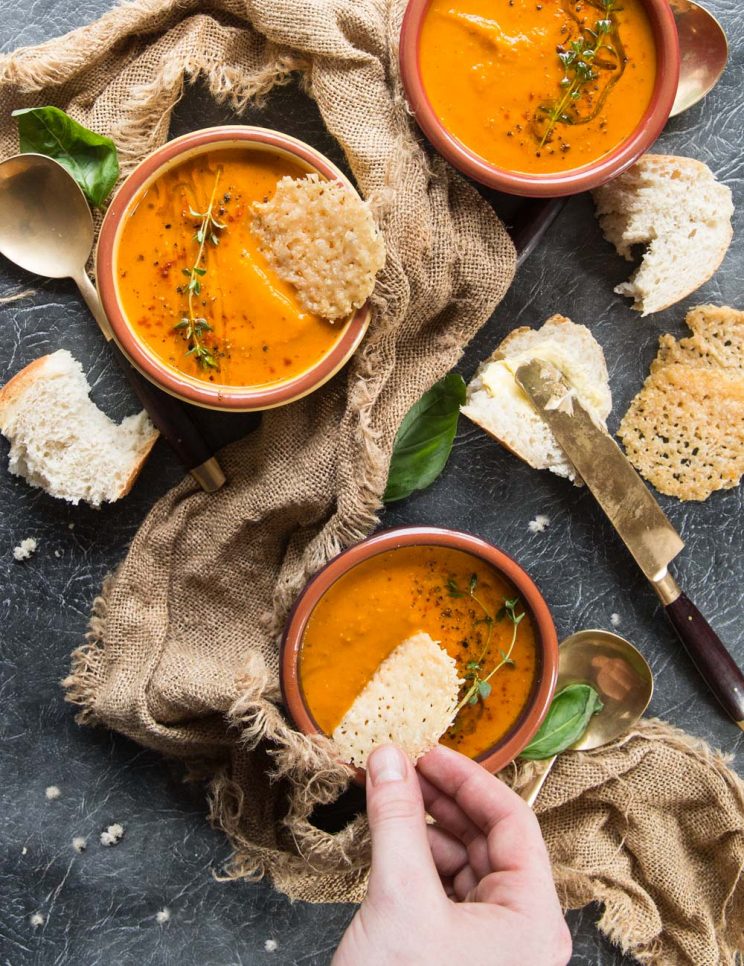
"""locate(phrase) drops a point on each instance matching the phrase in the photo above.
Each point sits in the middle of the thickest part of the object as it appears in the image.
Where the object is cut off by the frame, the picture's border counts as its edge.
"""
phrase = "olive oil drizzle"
(582, 63)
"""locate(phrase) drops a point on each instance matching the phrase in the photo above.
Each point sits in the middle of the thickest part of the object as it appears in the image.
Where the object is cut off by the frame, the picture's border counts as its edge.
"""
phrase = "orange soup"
(196, 288)
(455, 597)
(538, 87)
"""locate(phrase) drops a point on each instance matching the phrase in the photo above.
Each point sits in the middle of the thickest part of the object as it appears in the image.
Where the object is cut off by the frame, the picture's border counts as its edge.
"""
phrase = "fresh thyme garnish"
(192, 326)
(477, 684)
(582, 62)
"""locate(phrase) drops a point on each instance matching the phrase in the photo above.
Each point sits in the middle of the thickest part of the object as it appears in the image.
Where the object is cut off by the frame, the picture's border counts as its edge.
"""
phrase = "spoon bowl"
(45, 223)
(703, 53)
(619, 673)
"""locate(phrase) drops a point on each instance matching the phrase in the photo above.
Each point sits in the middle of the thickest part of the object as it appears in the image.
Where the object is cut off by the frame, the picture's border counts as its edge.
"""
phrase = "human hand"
(475, 888)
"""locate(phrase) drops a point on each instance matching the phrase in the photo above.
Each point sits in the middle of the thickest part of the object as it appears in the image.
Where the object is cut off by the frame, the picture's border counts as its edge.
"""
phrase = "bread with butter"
(497, 404)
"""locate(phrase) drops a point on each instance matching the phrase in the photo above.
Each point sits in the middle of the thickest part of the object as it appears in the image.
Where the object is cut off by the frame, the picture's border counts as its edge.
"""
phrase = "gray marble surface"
(101, 906)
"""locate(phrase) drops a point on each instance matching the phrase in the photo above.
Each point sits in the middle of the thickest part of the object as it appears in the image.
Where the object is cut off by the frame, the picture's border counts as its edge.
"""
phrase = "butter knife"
(639, 521)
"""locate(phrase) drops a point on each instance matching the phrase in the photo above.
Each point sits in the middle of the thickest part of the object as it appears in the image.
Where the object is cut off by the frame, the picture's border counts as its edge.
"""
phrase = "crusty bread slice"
(684, 431)
(411, 699)
(497, 404)
(677, 208)
(717, 341)
(62, 442)
(321, 238)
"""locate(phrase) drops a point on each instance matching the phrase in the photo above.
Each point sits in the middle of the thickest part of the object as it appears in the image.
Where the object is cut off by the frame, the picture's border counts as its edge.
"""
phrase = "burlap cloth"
(182, 652)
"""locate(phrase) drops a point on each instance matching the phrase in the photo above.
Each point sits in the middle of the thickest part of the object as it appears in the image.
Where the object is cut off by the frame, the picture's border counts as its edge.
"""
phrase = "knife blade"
(600, 462)
(637, 518)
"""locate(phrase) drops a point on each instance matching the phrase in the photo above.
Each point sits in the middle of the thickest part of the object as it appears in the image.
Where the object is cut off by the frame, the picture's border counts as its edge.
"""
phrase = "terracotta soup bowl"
(144, 283)
(359, 607)
(490, 85)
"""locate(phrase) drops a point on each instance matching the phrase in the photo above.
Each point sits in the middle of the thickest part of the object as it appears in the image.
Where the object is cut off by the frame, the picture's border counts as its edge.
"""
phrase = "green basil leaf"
(424, 439)
(89, 157)
(566, 721)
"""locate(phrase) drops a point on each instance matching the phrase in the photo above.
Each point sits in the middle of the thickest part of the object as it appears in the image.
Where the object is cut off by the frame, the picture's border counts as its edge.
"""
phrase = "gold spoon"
(46, 227)
(621, 676)
(703, 52)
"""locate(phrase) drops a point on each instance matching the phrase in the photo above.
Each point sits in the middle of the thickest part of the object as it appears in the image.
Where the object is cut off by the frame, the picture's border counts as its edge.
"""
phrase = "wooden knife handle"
(709, 655)
(176, 427)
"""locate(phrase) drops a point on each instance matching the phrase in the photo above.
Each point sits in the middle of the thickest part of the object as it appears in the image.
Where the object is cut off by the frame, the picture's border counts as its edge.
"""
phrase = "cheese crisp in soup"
(458, 599)
(194, 285)
(538, 86)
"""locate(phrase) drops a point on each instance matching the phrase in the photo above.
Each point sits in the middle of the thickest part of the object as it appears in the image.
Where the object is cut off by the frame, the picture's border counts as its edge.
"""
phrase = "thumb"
(402, 863)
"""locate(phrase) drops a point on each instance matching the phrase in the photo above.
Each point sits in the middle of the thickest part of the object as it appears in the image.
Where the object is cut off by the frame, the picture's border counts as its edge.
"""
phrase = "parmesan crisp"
(411, 700)
(321, 238)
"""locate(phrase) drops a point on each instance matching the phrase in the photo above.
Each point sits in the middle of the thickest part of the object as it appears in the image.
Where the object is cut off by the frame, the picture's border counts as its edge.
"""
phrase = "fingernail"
(386, 764)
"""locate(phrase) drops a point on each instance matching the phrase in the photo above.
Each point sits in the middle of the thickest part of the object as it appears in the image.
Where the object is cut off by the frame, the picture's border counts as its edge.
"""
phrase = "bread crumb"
(70, 526)
(271, 945)
(52, 792)
(615, 620)
(79, 843)
(162, 916)
(112, 835)
(25, 549)
(37, 919)
(540, 523)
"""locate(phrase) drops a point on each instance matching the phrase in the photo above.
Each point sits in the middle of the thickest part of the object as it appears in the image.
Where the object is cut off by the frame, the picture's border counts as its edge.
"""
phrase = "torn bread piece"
(411, 700)
(499, 406)
(61, 442)
(321, 238)
(675, 207)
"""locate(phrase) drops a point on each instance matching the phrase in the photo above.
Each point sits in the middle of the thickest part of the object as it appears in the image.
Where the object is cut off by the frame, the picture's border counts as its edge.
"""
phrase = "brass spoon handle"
(532, 789)
(92, 300)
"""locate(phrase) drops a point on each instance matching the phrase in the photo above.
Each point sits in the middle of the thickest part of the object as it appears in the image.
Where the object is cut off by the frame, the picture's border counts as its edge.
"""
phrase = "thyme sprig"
(579, 62)
(195, 327)
(477, 684)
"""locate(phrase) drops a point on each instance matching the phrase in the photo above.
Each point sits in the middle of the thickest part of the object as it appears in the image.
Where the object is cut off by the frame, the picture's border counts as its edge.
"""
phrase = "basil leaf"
(424, 439)
(89, 157)
(566, 721)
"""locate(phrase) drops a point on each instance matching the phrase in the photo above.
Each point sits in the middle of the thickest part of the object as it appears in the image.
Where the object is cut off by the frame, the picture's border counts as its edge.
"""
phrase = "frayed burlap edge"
(87, 661)
(305, 763)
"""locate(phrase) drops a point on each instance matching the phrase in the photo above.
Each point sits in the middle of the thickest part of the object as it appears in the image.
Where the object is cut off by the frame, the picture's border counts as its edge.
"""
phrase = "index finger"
(490, 805)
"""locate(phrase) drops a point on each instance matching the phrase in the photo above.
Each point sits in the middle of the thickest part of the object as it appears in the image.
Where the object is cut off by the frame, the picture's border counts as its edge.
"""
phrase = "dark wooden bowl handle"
(707, 652)
(176, 427)
(530, 222)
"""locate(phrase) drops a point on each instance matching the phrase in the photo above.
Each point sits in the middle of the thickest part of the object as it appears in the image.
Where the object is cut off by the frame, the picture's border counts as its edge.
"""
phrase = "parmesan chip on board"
(684, 431)
(411, 700)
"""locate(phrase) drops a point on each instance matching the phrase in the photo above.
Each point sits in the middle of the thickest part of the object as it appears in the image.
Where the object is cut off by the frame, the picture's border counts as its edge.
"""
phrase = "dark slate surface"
(100, 906)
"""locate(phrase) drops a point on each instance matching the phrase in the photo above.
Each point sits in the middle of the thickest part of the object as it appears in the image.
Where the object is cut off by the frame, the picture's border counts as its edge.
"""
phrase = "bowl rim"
(214, 395)
(569, 182)
(496, 756)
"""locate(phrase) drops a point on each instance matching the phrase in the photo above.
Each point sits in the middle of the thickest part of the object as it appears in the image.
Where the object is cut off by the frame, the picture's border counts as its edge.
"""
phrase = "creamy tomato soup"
(196, 288)
(449, 594)
(538, 87)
